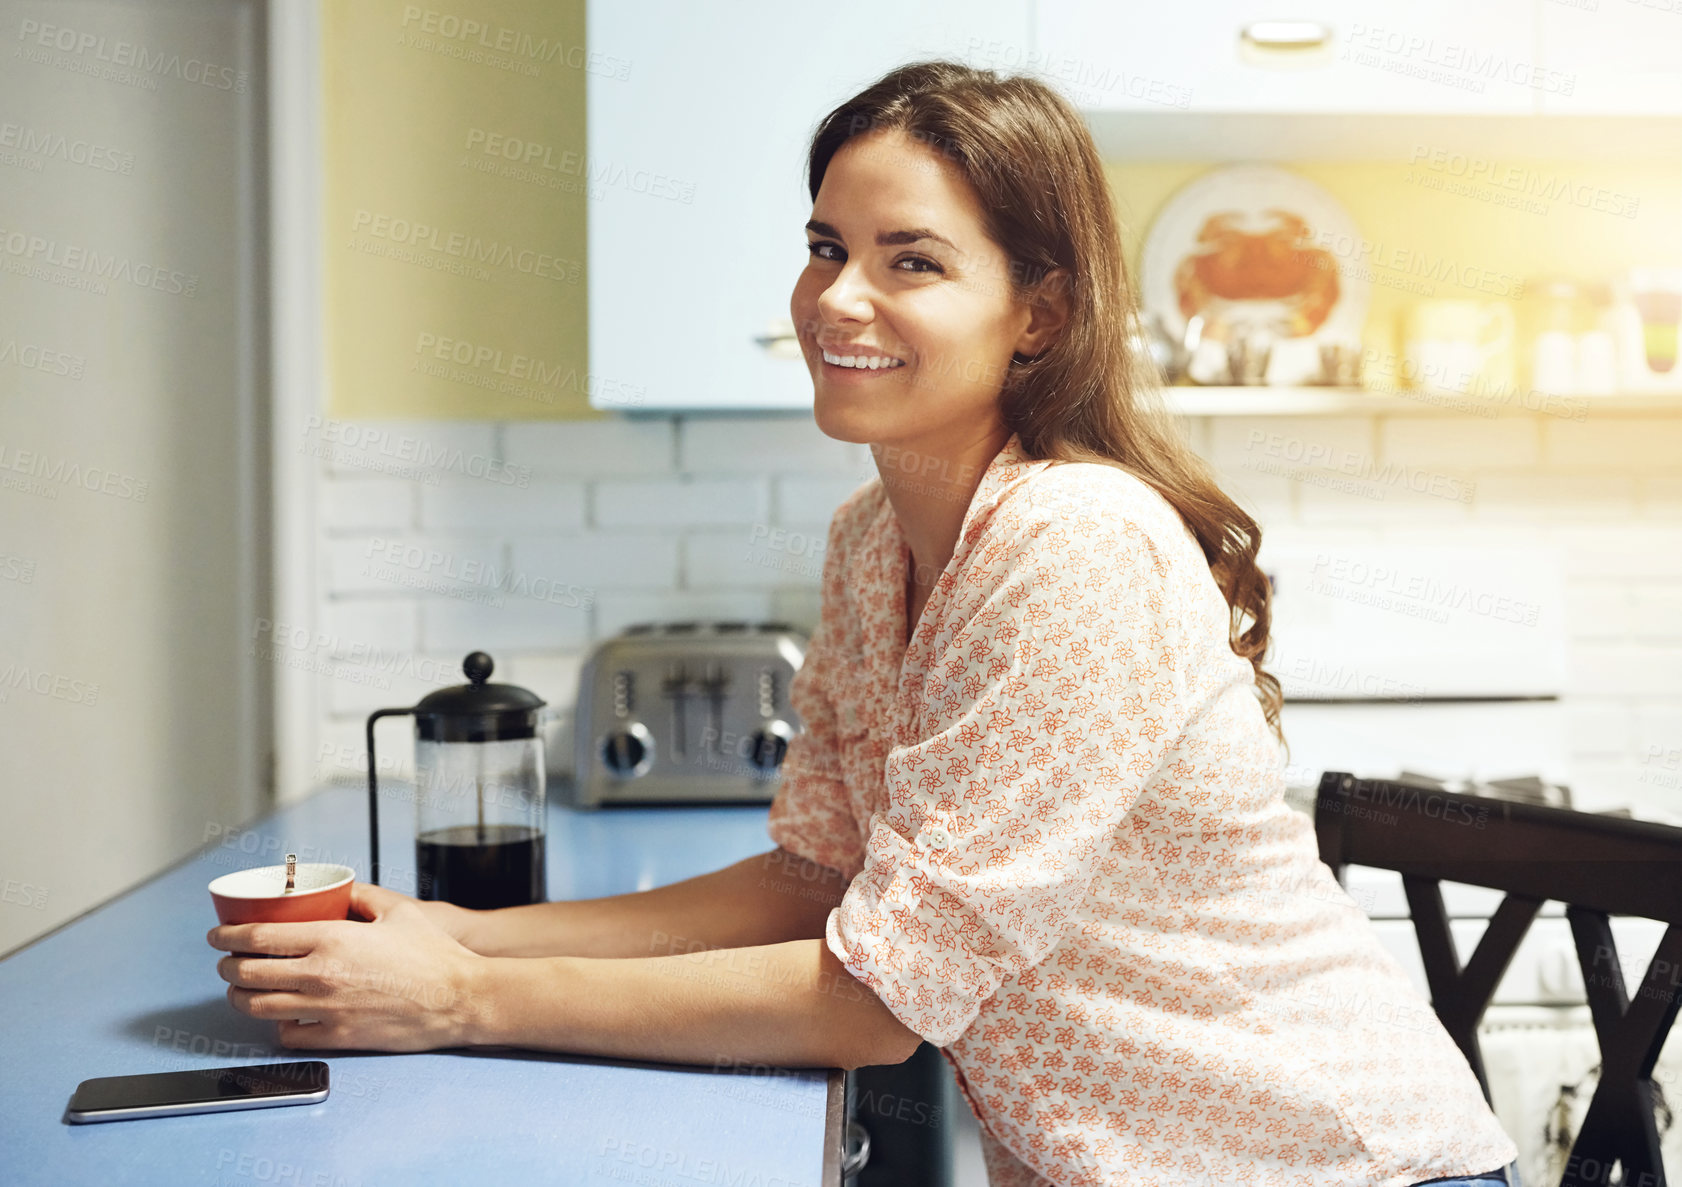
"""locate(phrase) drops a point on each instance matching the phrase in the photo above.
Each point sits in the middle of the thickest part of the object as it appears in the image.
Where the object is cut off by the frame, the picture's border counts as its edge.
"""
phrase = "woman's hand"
(398, 982)
(465, 927)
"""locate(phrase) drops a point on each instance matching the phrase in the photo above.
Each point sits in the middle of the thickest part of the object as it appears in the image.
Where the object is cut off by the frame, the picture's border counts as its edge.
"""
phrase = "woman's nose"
(847, 297)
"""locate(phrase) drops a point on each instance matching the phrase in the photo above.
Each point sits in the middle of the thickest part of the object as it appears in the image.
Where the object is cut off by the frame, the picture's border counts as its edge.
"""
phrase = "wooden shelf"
(1308, 401)
(1343, 401)
(1170, 135)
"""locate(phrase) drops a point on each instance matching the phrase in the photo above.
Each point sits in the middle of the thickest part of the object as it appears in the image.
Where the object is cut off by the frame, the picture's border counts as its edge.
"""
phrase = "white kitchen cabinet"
(1621, 57)
(1355, 56)
(697, 145)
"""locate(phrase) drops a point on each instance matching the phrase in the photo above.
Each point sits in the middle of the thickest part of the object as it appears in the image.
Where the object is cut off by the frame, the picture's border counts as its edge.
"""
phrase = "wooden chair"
(1597, 866)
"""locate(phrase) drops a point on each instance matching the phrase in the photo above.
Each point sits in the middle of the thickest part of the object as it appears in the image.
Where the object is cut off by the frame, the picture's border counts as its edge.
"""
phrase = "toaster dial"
(628, 751)
(768, 745)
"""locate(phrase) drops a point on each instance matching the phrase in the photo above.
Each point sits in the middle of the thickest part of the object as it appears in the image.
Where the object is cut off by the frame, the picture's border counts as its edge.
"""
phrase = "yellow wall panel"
(454, 209)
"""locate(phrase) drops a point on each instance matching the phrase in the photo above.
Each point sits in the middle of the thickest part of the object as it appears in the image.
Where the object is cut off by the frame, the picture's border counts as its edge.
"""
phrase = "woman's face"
(902, 275)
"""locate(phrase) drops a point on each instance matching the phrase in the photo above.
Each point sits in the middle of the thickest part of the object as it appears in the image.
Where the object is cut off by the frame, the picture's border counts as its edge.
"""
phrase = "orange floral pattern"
(1072, 868)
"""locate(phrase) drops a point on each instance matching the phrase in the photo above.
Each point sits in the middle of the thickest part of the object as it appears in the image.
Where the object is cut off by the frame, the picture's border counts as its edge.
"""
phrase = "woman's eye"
(823, 249)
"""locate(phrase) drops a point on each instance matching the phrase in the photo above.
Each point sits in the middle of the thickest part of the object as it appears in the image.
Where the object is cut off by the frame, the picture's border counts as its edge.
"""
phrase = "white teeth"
(862, 362)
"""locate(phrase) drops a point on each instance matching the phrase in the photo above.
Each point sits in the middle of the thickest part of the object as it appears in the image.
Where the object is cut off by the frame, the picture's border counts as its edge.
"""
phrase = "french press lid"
(477, 711)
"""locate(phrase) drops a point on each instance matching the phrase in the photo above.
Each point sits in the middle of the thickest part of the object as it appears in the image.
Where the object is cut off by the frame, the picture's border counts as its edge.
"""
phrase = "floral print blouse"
(1072, 868)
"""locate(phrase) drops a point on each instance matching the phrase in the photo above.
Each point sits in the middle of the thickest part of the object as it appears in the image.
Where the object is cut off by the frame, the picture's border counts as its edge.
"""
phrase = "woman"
(1039, 785)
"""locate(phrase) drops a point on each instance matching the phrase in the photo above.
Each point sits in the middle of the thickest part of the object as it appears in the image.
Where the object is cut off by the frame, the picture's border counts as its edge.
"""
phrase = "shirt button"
(936, 837)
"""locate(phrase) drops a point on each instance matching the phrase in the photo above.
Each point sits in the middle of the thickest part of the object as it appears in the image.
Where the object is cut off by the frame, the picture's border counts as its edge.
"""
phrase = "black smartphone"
(199, 1090)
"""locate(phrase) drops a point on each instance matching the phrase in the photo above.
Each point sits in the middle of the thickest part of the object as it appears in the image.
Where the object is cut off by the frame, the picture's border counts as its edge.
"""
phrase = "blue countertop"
(131, 987)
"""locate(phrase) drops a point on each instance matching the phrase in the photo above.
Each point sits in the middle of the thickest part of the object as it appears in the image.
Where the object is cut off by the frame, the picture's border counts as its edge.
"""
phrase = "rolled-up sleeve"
(811, 814)
(1042, 718)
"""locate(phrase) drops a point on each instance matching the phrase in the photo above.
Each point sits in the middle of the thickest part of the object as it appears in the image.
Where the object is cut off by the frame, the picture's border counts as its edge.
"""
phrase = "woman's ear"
(1048, 308)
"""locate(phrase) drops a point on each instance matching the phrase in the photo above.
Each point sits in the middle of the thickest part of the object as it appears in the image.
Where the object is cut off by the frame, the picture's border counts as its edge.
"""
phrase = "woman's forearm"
(789, 1004)
(765, 899)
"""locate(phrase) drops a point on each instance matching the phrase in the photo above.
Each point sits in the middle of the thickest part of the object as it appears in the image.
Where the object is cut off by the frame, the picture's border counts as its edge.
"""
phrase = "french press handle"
(374, 793)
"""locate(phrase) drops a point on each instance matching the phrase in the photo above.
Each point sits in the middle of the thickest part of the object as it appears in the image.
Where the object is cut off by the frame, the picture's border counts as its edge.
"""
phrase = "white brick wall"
(470, 504)
(611, 448)
(603, 560)
(681, 502)
(1464, 442)
(534, 540)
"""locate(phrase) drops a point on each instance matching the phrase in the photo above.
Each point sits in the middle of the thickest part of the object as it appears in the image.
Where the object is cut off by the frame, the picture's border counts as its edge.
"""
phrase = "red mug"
(320, 890)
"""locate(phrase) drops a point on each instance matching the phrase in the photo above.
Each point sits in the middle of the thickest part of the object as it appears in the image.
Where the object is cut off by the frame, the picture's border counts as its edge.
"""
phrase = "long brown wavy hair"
(1090, 396)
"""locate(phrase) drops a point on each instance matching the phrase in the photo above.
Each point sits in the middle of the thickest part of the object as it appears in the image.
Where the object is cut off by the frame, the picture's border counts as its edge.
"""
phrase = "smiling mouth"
(862, 362)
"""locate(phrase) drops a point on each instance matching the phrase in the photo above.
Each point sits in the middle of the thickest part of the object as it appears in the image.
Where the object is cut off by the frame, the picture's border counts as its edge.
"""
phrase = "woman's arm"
(397, 983)
(765, 899)
(788, 1004)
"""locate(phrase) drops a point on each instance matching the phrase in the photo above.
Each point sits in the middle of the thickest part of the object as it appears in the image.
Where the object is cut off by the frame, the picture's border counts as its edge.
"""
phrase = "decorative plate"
(1261, 247)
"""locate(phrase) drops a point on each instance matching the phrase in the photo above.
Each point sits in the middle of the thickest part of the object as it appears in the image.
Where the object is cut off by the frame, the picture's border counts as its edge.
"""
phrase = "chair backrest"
(1597, 866)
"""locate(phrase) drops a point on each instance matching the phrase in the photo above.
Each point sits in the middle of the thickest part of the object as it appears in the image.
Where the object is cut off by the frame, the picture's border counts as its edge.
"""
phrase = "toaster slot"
(677, 689)
(716, 683)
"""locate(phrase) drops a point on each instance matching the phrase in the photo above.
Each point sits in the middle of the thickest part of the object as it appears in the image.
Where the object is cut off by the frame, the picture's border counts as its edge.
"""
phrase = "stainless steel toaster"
(685, 711)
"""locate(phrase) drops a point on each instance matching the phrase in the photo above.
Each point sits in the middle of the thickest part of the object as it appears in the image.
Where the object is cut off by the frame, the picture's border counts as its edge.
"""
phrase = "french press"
(479, 794)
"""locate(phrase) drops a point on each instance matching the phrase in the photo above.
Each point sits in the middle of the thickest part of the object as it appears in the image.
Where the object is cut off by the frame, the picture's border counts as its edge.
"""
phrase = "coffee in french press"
(479, 793)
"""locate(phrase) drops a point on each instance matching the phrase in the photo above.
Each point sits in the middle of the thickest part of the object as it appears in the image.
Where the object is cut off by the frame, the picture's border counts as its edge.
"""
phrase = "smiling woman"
(1035, 816)
(1040, 748)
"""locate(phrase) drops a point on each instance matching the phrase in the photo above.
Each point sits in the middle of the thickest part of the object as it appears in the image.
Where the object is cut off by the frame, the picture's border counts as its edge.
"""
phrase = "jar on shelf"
(1562, 315)
(1597, 346)
(1647, 323)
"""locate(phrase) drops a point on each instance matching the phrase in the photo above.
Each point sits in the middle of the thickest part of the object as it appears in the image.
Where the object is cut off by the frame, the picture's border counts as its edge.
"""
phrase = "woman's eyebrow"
(885, 238)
